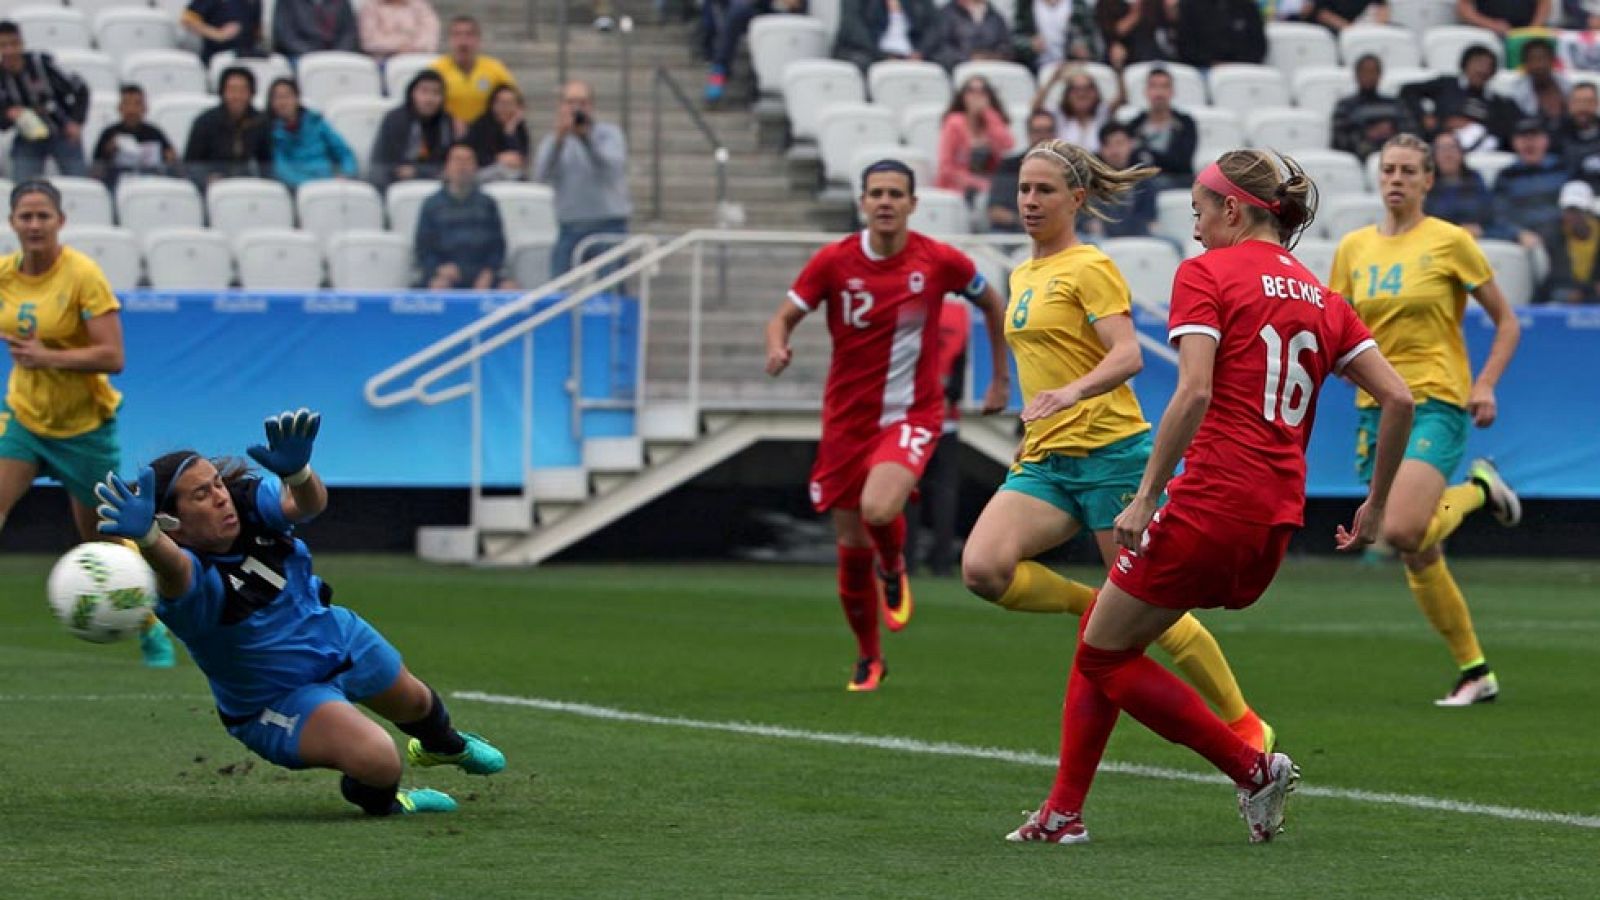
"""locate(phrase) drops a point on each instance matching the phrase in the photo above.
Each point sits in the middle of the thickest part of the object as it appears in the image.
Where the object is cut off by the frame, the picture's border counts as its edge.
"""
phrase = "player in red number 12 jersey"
(884, 402)
(1256, 334)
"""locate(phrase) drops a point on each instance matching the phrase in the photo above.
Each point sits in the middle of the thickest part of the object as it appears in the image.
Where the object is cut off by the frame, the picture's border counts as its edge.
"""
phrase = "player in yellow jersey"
(1070, 326)
(63, 332)
(1408, 279)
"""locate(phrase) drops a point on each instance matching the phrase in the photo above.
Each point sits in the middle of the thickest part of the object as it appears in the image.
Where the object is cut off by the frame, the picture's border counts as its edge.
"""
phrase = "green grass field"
(119, 781)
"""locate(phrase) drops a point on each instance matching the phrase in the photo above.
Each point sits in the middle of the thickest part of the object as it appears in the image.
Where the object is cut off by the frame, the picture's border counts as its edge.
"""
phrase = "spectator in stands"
(587, 163)
(1463, 104)
(975, 134)
(1580, 15)
(388, 27)
(1003, 185)
(414, 136)
(1081, 111)
(469, 76)
(1137, 30)
(1051, 32)
(1501, 16)
(132, 144)
(304, 146)
(461, 240)
(1134, 213)
(967, 30)
(308, 26)
(723, 24)
(1574, 273)
(1337, 15)
(233, 137)
(1579, 134)
(500, 137)
(1459, 195)
(1220, 31)
(233, 25)
(874, 30)
(1363, 121)
(1527, 193)
(46, 106)
(1166, 138)
(1541, 91)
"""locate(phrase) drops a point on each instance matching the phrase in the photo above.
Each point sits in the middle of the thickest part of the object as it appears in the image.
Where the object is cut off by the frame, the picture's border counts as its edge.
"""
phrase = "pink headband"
(1213, 178)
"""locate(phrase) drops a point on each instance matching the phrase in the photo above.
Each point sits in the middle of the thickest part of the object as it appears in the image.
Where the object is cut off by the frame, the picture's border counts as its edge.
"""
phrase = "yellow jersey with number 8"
(55, 308)
(1411, 291)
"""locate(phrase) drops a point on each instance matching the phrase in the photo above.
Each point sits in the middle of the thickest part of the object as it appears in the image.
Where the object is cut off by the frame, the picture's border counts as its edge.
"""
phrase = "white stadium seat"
(174, 114)
(97, 70)
(1320, 88)
(1218, 127)
(1397, 47)
(264, 68)
(1513, 270)
(1175, 215)
(1292, 46)
(1188, 85)
(1442, 45)
(401, 68)
(93, 8)
(1105, 78)
(357, 120)
(1243, 88)
(900, 84)
(330, 74)
(278, 259)
(328, 206)
(919, 129)
(102, 114)
(1338, 216)
(162, 72)
(188, 258)
(1148, 264)
(84, 201)
(127, 29)
(526, 210)
(845, 127)
(1489, 164)
(1011, 81)
(369, 260)
(940, 212)
(1316, 254)
(1287, 129)
(828, 12)
(147, 203)
(529, 261)
(235, 205)
(114, 249)
(52, 27)
(1420, 15)
(1336, 172)
(8, 241)
(811, 86)
(925, 166)
(776, 41)
(1396, 78)
(404, 200)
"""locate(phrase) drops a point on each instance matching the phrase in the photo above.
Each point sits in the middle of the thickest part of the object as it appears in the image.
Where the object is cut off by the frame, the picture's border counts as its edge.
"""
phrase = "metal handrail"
(719, 150)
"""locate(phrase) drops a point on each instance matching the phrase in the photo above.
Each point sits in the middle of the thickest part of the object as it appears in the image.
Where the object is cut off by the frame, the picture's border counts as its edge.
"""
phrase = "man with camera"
(586, 162)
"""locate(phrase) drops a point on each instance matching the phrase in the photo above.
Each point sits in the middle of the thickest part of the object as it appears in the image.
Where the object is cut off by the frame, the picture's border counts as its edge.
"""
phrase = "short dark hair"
(461, 145)
(1538, 43)
(1477, 50)
(1584, 86)
(9, 27)
(35, 186)
(1113, 127)
(237, 72)
(129, 87)
(1368, 57)
(890, 165)
(1163, 71)
(465, 19)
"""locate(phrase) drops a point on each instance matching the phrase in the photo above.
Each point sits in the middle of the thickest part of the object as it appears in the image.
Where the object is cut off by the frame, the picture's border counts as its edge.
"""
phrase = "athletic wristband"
(150, 537)
(299, 478)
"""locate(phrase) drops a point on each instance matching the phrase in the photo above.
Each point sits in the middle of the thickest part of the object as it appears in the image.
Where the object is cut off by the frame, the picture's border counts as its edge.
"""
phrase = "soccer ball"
(102, 592)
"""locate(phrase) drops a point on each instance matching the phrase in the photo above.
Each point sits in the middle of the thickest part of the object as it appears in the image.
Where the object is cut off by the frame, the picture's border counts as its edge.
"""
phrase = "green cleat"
(480, 757)
(155, 645)
(424, 800)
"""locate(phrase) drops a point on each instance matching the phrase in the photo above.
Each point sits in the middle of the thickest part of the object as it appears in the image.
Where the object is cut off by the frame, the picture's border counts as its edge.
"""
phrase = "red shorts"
(841, 468)
(1187, 563)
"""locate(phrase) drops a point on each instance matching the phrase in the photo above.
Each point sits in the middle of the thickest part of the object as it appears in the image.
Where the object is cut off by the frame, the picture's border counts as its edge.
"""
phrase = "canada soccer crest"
(916, 282)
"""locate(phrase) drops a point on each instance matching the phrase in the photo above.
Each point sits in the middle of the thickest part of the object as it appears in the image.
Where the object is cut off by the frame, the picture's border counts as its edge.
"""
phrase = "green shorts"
(1092, 489)
(1438, 437)
(79, 463)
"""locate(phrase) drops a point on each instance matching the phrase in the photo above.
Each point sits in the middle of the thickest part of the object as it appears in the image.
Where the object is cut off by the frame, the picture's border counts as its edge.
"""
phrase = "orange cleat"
(870, 671)
(1254, 732)
(894, 596)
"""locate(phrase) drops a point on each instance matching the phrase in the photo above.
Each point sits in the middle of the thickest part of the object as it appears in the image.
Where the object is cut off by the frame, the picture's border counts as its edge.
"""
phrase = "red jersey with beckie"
(1279, 333)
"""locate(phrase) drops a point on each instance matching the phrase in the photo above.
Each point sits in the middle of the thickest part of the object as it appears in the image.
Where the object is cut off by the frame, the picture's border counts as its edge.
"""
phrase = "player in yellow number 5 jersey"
(1408, 279)
(63, 332)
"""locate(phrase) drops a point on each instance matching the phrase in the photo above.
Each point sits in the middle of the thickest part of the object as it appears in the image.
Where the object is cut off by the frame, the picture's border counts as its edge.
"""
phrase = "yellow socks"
(1196, 654)
(1446, 610)
(1035, 588)
(1456, 504)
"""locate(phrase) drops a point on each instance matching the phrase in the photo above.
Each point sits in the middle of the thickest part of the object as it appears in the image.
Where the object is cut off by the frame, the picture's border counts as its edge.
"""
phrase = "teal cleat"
(480, 757)
(424, 800)
(155, 644)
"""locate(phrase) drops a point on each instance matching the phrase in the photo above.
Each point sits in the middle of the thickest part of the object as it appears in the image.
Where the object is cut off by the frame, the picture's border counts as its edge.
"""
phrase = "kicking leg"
(417, 710)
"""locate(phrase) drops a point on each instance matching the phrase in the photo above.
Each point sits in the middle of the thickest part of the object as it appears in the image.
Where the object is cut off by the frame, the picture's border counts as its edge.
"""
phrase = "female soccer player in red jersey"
(884, 402)
(1256, 335)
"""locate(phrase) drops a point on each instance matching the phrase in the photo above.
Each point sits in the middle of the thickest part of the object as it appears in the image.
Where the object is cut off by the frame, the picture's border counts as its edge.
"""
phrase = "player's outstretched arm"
(130, 512)
(1507, 333)
(782, 325)
(287, 454)
(1197, 355)
(1122, 361)
(993, 307)
(1373, 374)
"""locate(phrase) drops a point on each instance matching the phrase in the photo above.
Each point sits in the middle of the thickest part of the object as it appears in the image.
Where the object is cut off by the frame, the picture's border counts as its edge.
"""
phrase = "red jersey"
(1279, 333)
(883, 316)
(955, 324)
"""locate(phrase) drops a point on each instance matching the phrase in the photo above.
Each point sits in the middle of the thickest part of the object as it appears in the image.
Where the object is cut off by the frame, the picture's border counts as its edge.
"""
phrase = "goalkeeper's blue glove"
(288, 450)
(125, 512)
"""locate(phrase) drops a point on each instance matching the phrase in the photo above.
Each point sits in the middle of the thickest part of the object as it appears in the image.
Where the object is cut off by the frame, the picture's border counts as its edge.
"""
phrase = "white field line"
(1019, 757)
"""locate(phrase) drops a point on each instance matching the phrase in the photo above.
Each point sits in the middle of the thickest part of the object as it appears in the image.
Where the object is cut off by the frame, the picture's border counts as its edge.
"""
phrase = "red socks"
(890, 540)
(858, 593)
(1087, 718)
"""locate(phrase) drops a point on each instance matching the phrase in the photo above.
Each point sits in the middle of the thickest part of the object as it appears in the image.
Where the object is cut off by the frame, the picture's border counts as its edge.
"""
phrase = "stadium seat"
(93, 8)
(1148, 264)
(162, 72)
(899, 85)
(264, 68)
(1316, 254)
(811, 86)
(1442, 45)
(330, 74)
(1320, 88)
(126, 29)
(174, 114)
(1287, 129)
(1397, 47)
(278, 259)
(1513, 270)
(357, 120)
(1336, 172)
(8, 241)
(369, 261)
(97, 70)
(1012, 81)
(404, 201)
(188, 258)
(401, 68)
(925, 166)
(1243, 88)
(778, 40)
(84, 201)
(235, 205)
(145, 203)
(52, 27)
(1007, 10)
(1338, 216)
(527, 210)
(1489, 163)
(1017, 118)
(1395, 79)
(941, 212)
(1188, 85)
(330, 205)
(115, 249)
(828, 12)
(1105, 78)
(102, 114)
(1292, 46)
(1420, 15)
(919, 129)
(1218, 127)
(1175, 215)
(529, 261)
(845, 127)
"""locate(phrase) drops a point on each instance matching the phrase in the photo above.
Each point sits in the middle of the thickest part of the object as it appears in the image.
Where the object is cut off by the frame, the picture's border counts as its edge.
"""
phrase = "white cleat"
(1055, 828)
(1468, 690)
(1503, 501)
(1262, 808)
